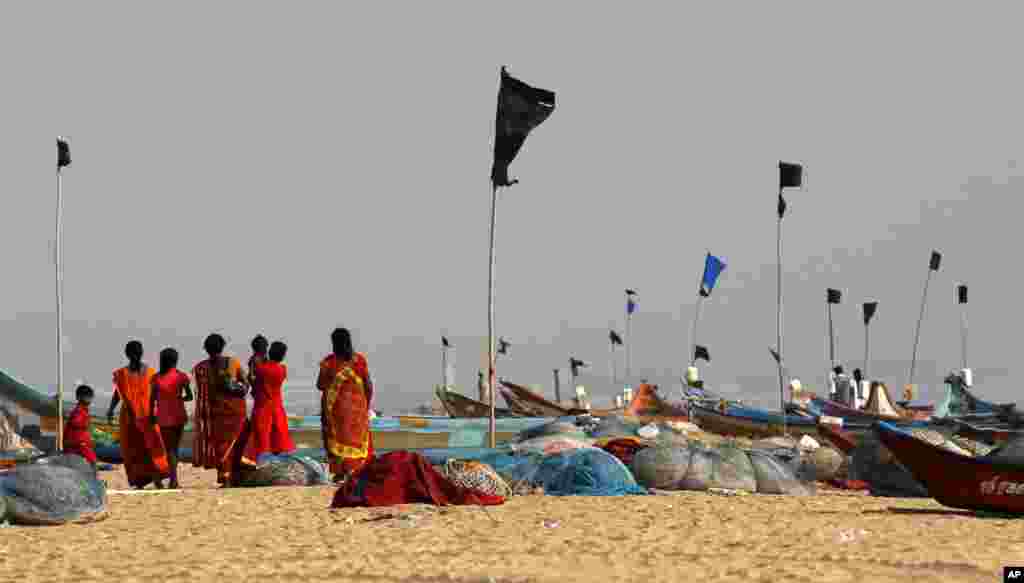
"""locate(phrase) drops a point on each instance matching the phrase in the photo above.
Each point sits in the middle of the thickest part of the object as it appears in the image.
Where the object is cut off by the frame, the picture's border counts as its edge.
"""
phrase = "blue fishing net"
(578, 472)
(284, 470)
(55, 490)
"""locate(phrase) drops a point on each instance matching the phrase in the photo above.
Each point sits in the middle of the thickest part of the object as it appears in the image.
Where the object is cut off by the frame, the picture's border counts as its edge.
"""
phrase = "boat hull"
(462, 407)
(955, 480)
(749, 422)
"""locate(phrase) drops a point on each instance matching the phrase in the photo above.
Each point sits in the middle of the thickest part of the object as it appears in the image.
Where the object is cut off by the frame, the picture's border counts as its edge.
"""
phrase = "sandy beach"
(202, 534)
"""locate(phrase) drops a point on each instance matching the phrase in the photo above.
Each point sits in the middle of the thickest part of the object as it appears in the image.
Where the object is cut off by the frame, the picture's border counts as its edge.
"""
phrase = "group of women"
(225, 437)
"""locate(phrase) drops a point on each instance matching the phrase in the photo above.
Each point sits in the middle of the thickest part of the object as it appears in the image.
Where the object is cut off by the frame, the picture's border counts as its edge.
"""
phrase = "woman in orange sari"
(142, 447)
(347, 391)
(219, 420)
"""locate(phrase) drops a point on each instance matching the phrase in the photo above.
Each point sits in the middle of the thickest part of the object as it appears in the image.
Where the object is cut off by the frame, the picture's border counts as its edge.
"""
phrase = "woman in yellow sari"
(347, 391)
(142, 447)
(220, 416)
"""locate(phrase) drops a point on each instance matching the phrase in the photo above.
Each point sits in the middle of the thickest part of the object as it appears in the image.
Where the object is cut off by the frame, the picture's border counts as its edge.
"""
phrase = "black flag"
(775, 355)
(869, 311)
(934, 262)
(790, 176)
(615, 338)
(521, 108)
(700, 352)
(63, 153)
(444, 342)
(833, 296)
(503, 346)
(961, 294)
(576, 365)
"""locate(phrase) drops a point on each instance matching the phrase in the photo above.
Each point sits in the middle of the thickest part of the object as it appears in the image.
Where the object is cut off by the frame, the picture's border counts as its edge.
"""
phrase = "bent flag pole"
(63, 161)
(713, 267)
(933, 265)
(521, 108)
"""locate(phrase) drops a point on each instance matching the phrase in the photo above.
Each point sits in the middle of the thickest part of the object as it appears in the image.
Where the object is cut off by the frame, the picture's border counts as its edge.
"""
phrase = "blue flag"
(630, 305)
(713, 267)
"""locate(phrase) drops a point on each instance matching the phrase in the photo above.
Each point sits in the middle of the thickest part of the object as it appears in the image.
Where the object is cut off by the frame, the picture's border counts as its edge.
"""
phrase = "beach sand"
(202, 534)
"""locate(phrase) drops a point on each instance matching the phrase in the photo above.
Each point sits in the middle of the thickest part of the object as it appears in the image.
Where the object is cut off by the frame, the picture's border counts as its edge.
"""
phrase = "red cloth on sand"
(404, 477)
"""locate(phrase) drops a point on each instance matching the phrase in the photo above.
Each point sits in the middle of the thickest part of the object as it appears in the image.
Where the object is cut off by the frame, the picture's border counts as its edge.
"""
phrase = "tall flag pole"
(521, 108)
(713, 267)
(63, 160)
(631, 306)
(933, 266)
(869, 312)
(832, 296)
(614, 340)
(445, 376)
(790, 176)
(961, 299)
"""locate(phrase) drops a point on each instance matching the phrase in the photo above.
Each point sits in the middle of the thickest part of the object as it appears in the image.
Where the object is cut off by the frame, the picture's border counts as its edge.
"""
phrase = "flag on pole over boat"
(700, 352)
(521, 108)
(833, 296)
(631, 304)
(869, 311)
(713, 267)
(63, 153)
(615, 339)
(790, 176)
(935, 261)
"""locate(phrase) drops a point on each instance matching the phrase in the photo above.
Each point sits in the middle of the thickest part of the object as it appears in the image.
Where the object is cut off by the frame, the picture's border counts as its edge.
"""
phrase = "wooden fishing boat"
(879, 407)
(527, 403)
(742, 421)
(649, 407)
(459, 406)
(958, 481)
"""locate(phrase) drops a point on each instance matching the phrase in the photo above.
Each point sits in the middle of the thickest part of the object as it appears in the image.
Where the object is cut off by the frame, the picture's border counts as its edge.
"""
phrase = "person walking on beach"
(268, 426)
(259, 355)
(220, 416)
(347, 391)
(142, 446)
(77, 438)
(171, 389)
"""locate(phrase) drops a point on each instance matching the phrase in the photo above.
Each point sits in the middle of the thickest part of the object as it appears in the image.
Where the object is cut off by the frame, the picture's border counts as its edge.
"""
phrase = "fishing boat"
(742, 421)
(461, 407)
(954, 480)
(649, 407)
(880, 407)
(527, 403)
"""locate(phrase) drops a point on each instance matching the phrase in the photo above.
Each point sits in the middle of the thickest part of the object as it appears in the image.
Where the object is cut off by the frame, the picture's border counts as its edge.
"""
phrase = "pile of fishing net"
(284, 470)
(550, 438)
(54, 490)
(700, 466)
(584, 471)
(872, 463)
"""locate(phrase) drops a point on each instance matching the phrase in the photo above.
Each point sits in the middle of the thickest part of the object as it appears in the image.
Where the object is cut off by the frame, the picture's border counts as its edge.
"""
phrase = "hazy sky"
(289, 167)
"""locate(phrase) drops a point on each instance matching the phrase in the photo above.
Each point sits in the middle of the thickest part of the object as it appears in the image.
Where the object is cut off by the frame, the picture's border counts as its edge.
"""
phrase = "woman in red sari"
(170, 392)
(220, 415)
(142, 447)
(268, 426)
(345, 407)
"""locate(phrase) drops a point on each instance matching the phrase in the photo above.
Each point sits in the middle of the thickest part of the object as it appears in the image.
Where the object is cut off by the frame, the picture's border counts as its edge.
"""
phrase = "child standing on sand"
(77, 438)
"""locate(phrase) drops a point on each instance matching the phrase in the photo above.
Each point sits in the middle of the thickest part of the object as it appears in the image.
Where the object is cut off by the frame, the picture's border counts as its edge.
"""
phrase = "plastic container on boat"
(967, 376)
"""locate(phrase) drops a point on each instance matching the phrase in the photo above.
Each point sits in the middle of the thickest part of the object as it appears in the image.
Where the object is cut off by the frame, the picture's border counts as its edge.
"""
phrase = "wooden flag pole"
(490, 320)
(60, 313)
